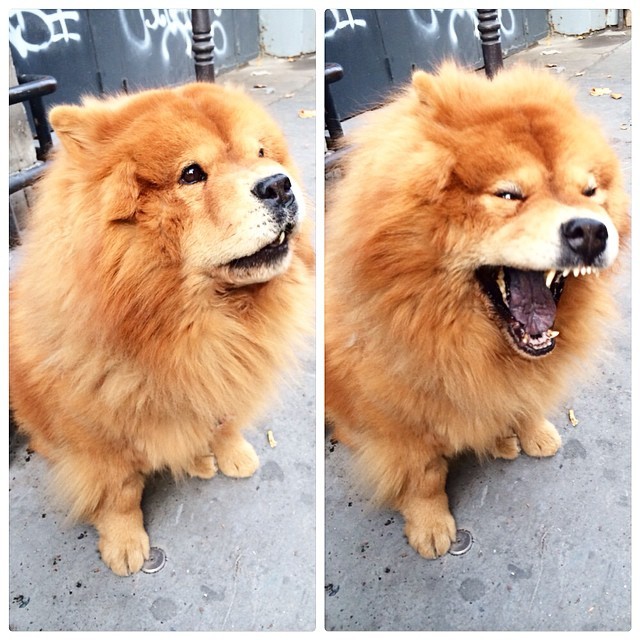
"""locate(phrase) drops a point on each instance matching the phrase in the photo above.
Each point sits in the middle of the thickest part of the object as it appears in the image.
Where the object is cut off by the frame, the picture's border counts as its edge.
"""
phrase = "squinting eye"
(261, 153)
(192, 174)
(590, 192)
(509, 195)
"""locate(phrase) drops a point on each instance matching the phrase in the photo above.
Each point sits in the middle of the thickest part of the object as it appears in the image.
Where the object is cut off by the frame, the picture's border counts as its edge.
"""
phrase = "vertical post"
(332, 73)
(489, 28)
(202, 45)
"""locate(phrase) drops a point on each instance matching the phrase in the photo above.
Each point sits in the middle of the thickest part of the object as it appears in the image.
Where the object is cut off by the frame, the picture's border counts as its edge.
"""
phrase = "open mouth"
(525, 303)
(270, 254)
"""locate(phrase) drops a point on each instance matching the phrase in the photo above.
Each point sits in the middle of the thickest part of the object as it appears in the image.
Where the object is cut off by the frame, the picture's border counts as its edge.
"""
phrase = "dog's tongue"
(531, 302)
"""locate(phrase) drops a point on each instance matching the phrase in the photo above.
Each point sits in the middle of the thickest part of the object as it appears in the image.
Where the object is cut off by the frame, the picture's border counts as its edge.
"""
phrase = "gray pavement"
(552, 537)
(240, 553)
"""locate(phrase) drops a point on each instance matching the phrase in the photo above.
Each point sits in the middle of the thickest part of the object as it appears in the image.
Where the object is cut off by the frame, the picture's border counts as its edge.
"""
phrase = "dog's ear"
(119, 191)
(423, 84)
(77, 127)
(82, 131)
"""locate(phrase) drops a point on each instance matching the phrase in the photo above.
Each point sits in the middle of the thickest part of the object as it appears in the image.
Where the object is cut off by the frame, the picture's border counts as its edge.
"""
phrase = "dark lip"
(530, 345)
(270, 254)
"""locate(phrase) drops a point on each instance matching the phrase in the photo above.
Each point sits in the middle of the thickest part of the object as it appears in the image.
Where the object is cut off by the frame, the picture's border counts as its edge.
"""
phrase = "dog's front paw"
(430, 528)
(203, 467)
(236, 457)
(539, 439)
(125, 549)
(506, 447)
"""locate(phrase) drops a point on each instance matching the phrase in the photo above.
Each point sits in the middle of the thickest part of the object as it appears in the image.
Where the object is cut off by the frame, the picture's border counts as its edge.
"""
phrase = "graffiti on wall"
(339, 22)
(431, 23)
(435, 23)
(33, 30)
(44, 29)
(378, 49)
(138, 27)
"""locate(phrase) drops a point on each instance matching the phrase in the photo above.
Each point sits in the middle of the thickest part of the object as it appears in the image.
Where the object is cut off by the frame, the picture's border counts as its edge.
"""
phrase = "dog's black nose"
(274, 190)
(586, 237)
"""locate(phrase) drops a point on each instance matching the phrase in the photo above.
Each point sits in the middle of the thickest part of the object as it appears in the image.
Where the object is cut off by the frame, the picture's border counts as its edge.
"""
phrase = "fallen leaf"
(259, 86)
(271, 439)
(261, 73)
(289, 95)
(572, 418)
(549, 52)
(307, 113)
(580, 73)
(616, 96)
(600, 91)
(551, 65)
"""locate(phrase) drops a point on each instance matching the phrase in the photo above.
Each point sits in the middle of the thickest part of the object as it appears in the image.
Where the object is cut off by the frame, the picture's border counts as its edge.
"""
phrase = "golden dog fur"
(454, 175)
(136, 343)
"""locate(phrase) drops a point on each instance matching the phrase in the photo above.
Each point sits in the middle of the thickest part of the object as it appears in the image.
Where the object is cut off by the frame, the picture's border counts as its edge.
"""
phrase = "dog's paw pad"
(540, 440)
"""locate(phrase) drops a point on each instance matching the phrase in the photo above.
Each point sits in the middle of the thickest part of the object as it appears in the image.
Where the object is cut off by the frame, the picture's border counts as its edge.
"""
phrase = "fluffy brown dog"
(165, 277)
(463, 251)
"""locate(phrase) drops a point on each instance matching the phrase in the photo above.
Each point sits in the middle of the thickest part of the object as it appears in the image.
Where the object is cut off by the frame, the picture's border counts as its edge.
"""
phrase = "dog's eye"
(261, 152)
(509, 195)
(590, 191)
(192, 174)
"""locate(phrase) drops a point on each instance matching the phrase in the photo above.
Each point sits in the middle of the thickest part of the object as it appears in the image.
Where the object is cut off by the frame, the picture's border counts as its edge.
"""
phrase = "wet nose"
(586, 237)
(274, 190)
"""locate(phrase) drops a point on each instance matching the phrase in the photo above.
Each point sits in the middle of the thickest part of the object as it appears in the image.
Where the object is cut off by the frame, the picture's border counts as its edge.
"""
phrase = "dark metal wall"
(378, 49)
(106, 50)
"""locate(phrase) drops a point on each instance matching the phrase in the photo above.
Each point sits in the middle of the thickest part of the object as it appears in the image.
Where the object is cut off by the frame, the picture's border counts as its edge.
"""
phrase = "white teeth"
(501, 284)
(551, 274)
(281, 237)
(552, 334)
(581, 271)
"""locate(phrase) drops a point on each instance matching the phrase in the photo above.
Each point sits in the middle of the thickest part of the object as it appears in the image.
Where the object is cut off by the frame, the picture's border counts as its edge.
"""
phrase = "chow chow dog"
(165, 278)
(468, 249)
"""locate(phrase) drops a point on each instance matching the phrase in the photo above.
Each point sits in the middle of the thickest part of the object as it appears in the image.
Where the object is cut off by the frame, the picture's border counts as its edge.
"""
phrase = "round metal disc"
(156, 560)
(462, 544)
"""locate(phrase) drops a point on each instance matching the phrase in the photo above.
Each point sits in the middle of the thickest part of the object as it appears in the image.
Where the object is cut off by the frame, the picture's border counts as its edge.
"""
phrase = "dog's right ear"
(423, 83)
(77, 127)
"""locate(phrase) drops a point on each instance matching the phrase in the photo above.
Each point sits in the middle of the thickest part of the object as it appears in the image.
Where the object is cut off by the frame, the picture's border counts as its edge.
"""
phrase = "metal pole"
(203, 46)
(489, 28)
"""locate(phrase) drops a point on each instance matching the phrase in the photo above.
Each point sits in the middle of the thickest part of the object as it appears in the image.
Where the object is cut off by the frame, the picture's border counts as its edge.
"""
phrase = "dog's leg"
(408, 473)
(538, 437)
(234, 455)
(123, 544)
(429, 525)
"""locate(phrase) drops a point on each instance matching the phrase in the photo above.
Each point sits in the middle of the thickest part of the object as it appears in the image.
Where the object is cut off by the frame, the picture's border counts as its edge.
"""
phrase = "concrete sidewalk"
(551, 537)
(240, 553)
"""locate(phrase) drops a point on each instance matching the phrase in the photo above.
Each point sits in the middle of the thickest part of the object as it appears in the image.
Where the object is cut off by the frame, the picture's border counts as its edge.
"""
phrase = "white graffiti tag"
(343, 24)
(55, 29)
(438, 21)
(169, 23)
